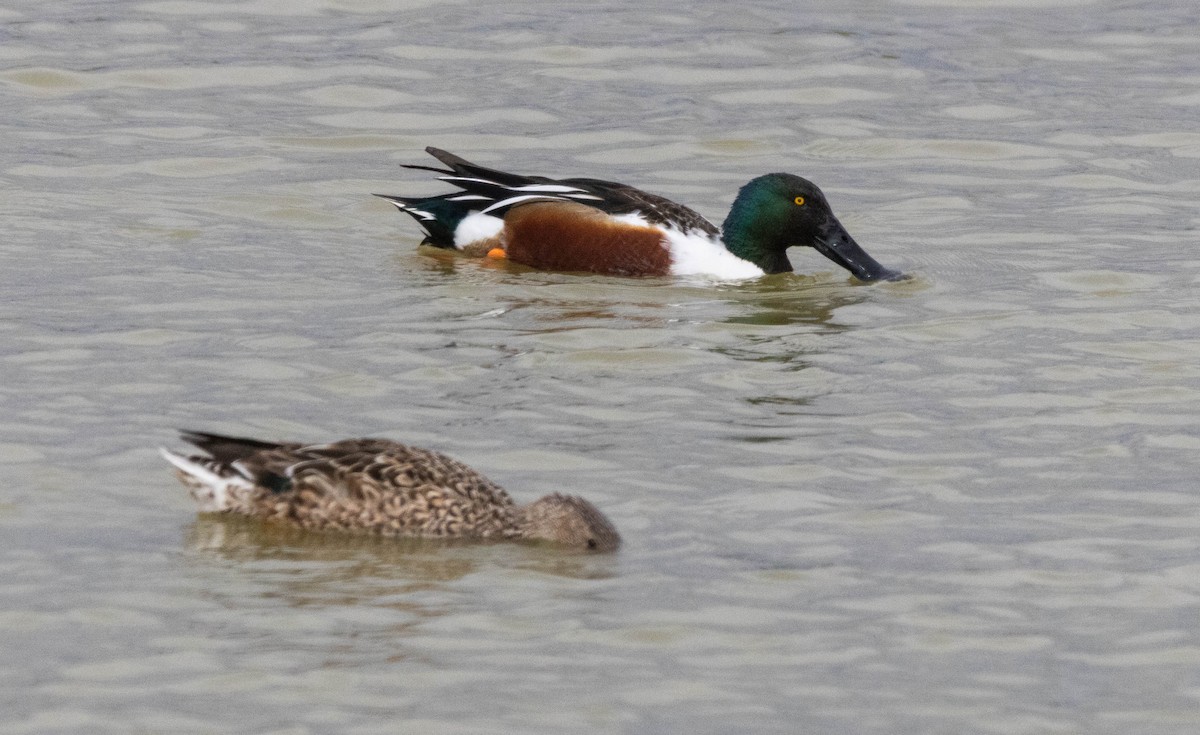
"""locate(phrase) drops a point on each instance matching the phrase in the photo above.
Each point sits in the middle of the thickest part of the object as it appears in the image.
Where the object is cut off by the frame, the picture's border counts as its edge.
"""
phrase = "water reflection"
(563, 301)
(793, 299)
(328, 567)
(346, 600)
(601, 326)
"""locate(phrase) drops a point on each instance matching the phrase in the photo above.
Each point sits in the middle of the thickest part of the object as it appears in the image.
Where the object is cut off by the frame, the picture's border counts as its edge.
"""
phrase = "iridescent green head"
(777, 211)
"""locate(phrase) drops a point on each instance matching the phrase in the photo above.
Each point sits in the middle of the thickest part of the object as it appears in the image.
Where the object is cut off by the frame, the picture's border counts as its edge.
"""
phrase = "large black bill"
(836, 244)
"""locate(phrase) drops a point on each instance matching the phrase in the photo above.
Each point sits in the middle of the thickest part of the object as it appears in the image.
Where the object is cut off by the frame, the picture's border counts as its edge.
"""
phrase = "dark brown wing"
(228, 449)
(500, 190)
(389, 488)
(356, 468)
(346, 467)
(619, 198)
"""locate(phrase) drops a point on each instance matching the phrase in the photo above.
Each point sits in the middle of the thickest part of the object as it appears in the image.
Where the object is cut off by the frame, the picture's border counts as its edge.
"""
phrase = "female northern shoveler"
(605, 227)
(378, 486)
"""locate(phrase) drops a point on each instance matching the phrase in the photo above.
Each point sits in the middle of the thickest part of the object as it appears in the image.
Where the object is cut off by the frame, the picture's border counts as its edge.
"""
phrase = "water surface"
(963, 503)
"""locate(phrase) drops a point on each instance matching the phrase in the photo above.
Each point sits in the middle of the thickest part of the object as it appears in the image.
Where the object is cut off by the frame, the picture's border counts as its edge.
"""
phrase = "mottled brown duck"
(376, 486)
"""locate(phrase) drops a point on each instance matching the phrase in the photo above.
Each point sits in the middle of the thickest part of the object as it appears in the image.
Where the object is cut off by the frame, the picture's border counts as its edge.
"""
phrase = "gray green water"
(962, 504)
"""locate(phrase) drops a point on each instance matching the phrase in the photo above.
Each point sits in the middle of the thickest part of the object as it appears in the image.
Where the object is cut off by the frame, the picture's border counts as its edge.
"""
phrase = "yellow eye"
(799, 201)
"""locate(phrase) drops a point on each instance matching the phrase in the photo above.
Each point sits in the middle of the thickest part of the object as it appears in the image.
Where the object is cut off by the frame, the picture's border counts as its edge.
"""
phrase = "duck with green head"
(598, 226)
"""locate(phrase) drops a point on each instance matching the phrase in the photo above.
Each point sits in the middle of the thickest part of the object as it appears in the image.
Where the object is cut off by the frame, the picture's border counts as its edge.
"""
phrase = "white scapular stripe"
(543, 188)
(548, 188)
(517, 200)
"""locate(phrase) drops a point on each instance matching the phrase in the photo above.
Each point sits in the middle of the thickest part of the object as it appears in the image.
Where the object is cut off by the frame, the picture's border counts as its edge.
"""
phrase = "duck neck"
(749, 233)
(754, 244)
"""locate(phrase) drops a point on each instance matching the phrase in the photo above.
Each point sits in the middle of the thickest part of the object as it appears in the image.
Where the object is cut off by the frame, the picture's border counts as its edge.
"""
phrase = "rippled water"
(964, 503)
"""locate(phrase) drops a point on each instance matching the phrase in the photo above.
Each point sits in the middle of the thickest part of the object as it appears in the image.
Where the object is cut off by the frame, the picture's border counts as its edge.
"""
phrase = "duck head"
(777, 211)
(567, 520)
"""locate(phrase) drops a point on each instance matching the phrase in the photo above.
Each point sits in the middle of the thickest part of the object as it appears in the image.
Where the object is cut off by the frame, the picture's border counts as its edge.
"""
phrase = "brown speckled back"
(378, 486)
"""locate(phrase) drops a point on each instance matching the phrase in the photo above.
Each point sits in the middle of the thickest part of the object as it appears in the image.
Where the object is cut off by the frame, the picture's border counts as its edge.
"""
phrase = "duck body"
(598, 226)
(376, 486)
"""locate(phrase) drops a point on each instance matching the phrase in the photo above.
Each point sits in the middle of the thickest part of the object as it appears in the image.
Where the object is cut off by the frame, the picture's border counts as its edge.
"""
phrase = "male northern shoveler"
(378, 486)
(605, 227)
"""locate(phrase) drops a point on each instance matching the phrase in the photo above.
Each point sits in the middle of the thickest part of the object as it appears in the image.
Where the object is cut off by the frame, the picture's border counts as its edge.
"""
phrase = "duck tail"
(225, 448)
(461, 167)
(207, 479)
(484, 189)
(435, 216)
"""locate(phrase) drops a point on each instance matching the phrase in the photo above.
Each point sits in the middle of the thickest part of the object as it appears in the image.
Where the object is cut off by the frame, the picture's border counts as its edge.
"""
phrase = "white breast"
(697, 255)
